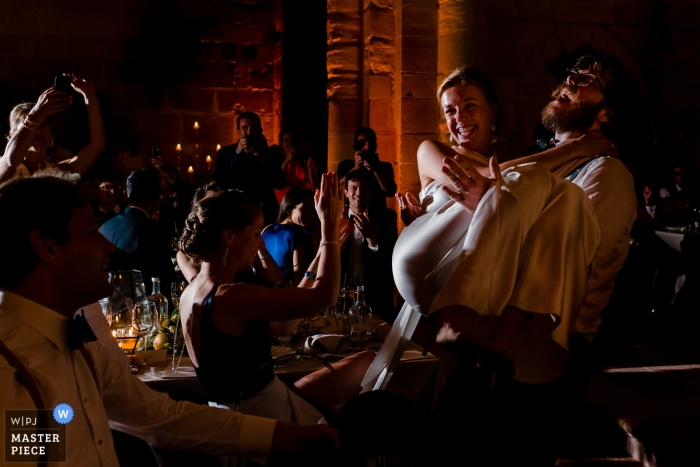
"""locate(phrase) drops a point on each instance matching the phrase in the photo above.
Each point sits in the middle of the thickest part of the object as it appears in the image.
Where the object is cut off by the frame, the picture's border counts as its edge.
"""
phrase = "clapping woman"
(229, 325)
(30, 139)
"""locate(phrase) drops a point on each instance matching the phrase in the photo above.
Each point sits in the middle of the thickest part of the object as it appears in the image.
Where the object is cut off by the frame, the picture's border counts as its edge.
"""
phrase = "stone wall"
(386, 57)
(158, 65)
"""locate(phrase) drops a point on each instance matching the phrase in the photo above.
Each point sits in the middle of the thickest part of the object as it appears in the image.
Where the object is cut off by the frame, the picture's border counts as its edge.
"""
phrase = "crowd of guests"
(511, 264)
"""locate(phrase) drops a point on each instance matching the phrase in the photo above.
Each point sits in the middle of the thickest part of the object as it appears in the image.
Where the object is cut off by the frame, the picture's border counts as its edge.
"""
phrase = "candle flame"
(190, 170)
(178, 147)
(208, 158)
(218, 147)
(196, 126)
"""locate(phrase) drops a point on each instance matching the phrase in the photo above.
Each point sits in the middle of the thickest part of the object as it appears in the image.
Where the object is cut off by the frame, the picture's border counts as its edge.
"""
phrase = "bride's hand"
(590, 145)
(469, 185)
(410, 207)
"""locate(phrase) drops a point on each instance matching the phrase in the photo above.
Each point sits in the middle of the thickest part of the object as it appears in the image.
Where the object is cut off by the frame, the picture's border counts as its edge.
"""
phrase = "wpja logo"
(37, 436)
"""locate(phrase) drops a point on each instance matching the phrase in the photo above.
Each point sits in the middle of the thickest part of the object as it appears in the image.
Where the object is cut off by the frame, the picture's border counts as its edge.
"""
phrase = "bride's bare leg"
(319, 386)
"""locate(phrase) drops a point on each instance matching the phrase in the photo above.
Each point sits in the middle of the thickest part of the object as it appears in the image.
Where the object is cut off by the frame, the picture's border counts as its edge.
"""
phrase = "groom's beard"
(578, 118)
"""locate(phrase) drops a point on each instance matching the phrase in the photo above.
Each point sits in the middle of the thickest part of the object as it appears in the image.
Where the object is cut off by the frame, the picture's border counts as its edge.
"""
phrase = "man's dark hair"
(109, 174)
(355, 175)
(247, 114)
(45, 204)
(369, 134)
(143, 186)
(630, 126)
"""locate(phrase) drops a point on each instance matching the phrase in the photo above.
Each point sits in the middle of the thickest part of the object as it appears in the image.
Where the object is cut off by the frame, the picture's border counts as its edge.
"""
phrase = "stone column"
(345, 65)
(461, 35)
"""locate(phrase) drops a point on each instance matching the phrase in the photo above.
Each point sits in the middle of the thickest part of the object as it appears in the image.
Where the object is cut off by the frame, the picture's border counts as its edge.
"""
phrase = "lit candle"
(208, 162)
(190, 170)
(218, 147)
(196, 126)
(196, 132)
(178, 148)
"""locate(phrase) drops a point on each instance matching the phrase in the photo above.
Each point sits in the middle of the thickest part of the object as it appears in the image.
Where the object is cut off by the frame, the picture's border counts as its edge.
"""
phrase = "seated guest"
(109, 194)
(370, 246)
(290, 240)
(380, 174)
(133, 158)
(245, 166)
(55, 263)
(30, 140)
(299, 168)
(229, 324)
(141, 243)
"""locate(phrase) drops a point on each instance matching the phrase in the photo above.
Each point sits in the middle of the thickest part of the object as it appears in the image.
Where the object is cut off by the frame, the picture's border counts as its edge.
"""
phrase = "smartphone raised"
(62, 83)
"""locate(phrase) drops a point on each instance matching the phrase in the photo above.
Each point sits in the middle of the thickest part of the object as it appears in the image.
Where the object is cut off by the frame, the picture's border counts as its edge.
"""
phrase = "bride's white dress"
(529, 244)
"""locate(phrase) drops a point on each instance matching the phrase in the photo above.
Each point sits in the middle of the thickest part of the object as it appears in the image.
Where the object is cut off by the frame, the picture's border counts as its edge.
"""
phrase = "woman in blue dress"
(290, 241)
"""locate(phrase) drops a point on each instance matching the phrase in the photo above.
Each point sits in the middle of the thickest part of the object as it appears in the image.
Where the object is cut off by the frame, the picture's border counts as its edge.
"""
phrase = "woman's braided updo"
(229, 209)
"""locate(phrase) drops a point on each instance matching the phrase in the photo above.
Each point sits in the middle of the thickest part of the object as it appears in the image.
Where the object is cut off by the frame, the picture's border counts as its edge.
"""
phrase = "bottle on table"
(360, 321)
(160, 301)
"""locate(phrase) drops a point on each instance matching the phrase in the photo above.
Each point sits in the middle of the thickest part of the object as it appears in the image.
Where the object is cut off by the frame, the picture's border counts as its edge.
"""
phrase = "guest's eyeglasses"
(576, 78)
(108, 187)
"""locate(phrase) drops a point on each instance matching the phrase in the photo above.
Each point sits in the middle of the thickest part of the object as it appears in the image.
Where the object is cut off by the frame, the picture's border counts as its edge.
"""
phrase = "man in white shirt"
(54, 262)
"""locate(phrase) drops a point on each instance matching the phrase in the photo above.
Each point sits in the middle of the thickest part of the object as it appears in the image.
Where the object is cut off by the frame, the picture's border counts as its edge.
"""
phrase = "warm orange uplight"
(178, 148)
(190, 170)
(196, 126)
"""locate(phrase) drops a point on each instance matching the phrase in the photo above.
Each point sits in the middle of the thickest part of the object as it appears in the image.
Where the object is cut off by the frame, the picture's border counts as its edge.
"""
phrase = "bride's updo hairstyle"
(229, 209)
(475, 77)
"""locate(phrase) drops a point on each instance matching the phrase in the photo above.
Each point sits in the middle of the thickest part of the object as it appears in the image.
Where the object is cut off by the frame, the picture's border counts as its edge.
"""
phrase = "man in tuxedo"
(141, 243)
(245, 166)
(367, 251)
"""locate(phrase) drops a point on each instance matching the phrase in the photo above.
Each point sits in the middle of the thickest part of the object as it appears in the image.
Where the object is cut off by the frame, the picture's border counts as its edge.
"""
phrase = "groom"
(596, 96)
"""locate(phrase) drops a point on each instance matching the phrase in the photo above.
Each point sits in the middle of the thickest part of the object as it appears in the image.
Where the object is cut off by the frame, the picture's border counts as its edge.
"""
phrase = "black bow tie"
(79, 332)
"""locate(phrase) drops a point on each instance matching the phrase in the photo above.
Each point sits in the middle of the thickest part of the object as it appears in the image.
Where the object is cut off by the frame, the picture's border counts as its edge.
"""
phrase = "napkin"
(331, 343)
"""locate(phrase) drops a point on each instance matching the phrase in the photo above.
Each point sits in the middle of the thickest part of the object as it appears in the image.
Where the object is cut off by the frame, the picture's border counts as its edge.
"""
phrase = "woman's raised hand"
(469, 185)
(50, 102)
(329, 200)
(82, 86)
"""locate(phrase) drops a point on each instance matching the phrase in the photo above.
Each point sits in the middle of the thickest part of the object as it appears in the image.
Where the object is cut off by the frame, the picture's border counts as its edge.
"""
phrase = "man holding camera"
(244, 165)
(381, 174)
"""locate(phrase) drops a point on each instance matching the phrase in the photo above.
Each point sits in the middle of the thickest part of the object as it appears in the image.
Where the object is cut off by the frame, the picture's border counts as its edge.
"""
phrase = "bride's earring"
(451, 139)
(494, 138)
(225, 256)
(51, 145)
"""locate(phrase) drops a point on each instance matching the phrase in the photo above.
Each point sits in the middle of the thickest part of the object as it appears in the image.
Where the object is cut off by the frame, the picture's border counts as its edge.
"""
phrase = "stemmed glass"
(145, 319)
(176, 289)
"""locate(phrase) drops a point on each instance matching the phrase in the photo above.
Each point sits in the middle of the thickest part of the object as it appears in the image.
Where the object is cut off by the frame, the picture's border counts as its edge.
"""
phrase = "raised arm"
(253, 303)
(50, 102)
(87, 156)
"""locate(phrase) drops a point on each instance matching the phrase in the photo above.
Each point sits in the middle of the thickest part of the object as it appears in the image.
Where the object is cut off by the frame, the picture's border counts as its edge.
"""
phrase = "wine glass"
(145, 319)
(176, 289)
